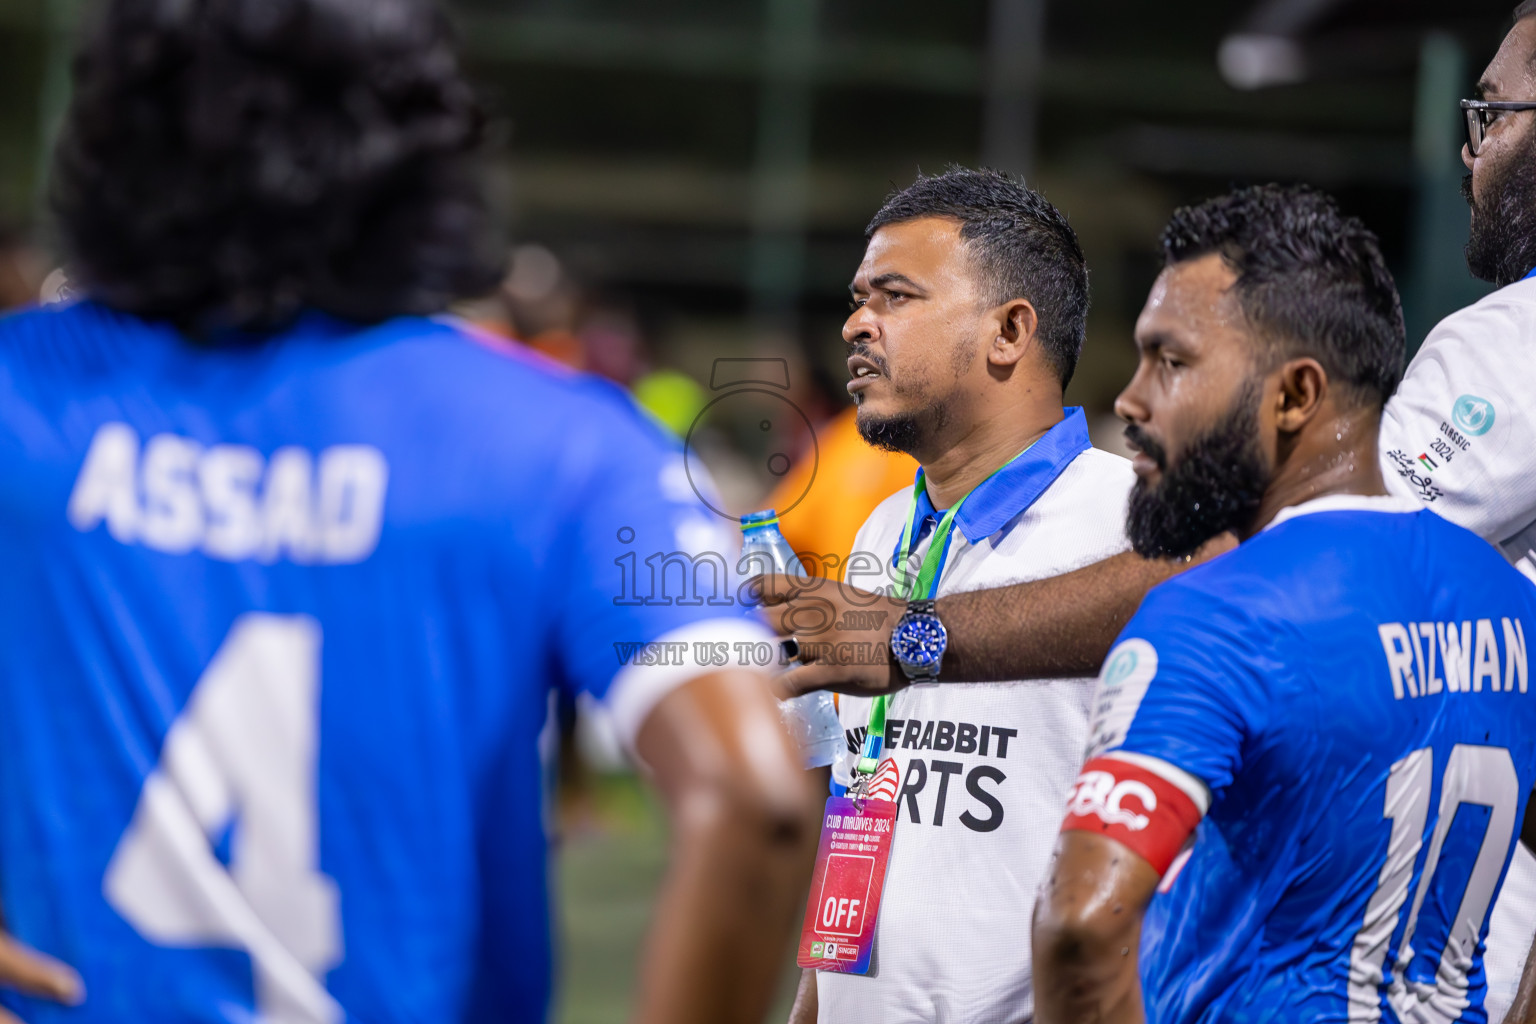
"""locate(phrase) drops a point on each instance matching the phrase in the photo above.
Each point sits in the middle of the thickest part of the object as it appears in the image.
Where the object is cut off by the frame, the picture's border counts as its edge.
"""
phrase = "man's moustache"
(1140, 440)
(864, 352)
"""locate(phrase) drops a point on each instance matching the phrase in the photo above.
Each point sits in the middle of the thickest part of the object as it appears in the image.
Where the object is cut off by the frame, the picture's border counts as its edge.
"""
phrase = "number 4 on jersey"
(241, 756)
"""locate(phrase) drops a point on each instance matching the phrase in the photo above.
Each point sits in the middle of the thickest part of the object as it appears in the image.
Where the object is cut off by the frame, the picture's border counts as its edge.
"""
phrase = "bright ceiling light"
(1253, 61)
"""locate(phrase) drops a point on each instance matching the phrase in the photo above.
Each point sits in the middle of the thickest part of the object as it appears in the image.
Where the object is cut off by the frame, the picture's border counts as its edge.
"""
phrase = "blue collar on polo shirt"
(1013, 488)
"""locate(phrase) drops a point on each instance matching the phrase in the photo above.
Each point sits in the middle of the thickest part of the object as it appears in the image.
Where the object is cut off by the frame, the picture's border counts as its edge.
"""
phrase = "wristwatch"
(918, 641)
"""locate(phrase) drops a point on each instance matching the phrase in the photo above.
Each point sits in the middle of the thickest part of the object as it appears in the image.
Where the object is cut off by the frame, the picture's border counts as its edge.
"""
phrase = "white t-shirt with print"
(984, 772)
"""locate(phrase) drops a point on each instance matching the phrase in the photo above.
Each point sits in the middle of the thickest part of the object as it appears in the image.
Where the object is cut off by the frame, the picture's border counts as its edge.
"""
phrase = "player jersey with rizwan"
(282, 627)
(1343, 704)
(1460, 436)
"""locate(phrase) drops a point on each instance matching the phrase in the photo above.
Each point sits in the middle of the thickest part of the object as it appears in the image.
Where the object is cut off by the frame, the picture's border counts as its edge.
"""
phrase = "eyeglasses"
(1481, 114)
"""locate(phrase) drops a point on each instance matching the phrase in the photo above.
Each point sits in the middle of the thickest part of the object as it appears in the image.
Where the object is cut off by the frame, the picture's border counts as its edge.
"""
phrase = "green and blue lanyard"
(925, 583)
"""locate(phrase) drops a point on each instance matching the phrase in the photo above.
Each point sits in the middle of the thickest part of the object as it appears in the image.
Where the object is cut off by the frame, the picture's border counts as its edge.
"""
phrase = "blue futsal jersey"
(280, 628)
(1346, 696)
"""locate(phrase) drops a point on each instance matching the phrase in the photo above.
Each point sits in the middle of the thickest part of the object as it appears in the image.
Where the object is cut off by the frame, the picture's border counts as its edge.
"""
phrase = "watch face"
(919, 640)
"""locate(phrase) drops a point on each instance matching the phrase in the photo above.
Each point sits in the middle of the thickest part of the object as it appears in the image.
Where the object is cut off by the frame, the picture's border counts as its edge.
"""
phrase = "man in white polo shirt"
(969, 313)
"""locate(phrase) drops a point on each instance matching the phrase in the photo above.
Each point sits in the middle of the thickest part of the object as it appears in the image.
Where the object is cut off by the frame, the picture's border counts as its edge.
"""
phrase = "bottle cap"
(755, 520)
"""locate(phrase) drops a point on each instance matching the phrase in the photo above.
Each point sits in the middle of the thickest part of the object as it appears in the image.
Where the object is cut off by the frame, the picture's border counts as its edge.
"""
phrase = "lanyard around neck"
(926, 584)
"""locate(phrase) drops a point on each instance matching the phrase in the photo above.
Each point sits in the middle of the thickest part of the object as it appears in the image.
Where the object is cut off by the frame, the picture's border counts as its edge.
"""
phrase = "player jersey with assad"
(1343, 706)
(280, 627)
(980, 769)
(1460, 436)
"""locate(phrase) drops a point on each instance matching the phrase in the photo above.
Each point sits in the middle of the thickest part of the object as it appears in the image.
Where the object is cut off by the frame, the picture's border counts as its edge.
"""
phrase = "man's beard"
(903, 432)
(1501, 248)
(909, 432)
(1215, 486)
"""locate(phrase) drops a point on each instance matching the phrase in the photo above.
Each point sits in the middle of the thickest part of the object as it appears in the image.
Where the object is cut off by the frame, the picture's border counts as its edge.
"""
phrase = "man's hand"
(1053, 628)
(1059, 627)
(844, 635)
(31, 973)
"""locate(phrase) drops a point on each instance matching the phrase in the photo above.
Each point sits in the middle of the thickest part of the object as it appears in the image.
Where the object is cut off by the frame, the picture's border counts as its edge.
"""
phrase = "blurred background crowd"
(685, 184)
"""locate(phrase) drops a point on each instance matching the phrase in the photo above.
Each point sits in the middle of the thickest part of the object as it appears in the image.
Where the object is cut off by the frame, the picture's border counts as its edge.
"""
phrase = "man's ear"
(1303, 388)
(1017, 323)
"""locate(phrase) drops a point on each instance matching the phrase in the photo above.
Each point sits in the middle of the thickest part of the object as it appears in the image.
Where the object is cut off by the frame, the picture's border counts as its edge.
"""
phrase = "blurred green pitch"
(607, 874)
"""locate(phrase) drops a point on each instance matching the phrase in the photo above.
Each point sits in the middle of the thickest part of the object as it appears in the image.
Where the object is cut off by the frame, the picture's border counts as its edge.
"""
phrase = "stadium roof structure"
(724, 155)
(729, 152)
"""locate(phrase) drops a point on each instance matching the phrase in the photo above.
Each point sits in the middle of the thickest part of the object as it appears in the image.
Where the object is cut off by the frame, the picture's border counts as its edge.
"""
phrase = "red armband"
(1133, 806)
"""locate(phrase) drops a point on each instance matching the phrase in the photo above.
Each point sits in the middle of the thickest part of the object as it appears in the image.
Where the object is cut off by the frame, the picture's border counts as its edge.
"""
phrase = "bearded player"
(1292, 807)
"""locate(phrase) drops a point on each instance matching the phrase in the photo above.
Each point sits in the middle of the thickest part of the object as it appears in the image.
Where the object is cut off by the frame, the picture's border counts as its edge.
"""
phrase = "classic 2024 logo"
(1472, 415)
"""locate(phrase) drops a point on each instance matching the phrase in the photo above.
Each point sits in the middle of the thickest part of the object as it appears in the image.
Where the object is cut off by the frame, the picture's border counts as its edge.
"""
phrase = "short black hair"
(1023, 246)
(1309, 278)
(225, 164)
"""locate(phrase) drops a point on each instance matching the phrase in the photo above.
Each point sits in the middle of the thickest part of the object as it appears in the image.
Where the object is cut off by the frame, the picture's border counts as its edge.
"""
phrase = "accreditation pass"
(839, 932)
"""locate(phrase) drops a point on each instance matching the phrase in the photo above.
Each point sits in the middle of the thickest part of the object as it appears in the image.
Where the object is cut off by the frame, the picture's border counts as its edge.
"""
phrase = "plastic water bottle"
(811, 718)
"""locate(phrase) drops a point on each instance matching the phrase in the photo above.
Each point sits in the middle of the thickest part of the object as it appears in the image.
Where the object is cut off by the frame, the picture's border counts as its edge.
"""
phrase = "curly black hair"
(225, 164)
(1311, 280)
(1022, 245)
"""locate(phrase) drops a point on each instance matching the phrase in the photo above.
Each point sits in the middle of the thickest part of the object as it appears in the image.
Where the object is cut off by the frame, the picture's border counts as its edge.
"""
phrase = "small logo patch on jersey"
(1408, 468)
(1123, 682)
(1472, 415)
(1121, 664)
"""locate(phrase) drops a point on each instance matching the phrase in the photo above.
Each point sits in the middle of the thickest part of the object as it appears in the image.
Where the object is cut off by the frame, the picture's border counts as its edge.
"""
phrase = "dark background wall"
(701, 170)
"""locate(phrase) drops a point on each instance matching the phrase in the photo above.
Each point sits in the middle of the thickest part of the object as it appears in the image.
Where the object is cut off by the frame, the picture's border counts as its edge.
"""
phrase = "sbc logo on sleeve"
(1102, 795)
(1135, 806)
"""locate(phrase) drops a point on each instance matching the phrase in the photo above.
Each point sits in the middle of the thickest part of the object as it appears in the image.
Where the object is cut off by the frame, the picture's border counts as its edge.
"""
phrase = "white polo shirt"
(1460, 436)
(984, 767)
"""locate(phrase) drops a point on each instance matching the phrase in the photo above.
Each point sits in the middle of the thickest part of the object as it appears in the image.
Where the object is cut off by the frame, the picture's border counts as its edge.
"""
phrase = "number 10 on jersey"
(1473, 775)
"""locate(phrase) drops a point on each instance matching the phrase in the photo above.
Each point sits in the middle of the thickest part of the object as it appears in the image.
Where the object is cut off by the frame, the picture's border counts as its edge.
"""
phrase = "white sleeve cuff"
(638, 688)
